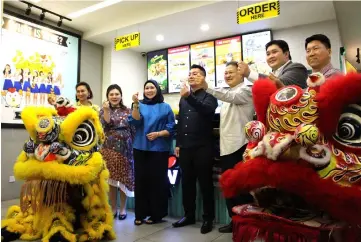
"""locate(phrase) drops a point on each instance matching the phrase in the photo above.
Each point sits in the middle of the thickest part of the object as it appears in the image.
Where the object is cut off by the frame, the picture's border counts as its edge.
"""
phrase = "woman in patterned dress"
(117, 150)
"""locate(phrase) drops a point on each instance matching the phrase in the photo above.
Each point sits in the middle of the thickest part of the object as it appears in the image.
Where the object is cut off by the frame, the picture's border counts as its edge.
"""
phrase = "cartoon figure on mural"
(32, 82)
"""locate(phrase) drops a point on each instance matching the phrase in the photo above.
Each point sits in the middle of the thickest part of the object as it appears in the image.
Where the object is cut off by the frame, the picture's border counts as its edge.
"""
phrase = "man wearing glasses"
(318, 55)
(195, 148)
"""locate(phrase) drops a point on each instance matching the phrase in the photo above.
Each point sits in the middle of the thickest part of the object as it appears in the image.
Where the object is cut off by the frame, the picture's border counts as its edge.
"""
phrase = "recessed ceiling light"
(204, 27)
(93, 8)
(159, 37)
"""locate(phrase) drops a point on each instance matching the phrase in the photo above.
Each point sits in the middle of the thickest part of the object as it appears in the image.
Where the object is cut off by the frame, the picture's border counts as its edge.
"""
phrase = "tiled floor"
(163, 232)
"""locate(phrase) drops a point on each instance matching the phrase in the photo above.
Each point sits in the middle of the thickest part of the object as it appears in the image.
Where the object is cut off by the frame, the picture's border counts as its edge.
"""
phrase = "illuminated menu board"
(254, 51)
(178, 67)
(157, 68)
(203, 54)
(227, 50)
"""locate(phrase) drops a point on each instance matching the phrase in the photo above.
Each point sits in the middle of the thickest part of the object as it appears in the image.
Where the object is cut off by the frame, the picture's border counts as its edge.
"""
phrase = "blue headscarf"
(158, 98)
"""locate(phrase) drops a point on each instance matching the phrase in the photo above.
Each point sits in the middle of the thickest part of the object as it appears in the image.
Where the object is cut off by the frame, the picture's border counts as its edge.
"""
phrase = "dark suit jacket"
(293, 74)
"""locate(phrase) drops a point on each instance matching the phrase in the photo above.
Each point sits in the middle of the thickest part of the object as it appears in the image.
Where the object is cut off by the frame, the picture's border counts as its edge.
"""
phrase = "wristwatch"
(135, 105)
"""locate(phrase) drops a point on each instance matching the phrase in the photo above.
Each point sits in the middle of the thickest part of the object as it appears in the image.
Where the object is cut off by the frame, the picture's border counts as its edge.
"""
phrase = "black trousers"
(151, 184)
(197, 163)
(228, 162)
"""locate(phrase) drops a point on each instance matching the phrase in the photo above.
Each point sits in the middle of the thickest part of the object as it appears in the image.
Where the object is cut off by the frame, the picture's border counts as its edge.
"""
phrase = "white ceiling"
(178, 21)
(184, 27)
(117, 16)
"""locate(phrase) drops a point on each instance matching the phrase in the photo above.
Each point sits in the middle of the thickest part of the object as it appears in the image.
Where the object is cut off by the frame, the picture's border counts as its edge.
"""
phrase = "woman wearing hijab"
(154, 122)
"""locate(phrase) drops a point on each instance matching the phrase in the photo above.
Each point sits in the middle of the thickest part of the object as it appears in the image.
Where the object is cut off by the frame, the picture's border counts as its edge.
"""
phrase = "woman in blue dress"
(7, 78)
(27, 86)
(34, 87)
(42, 88)
(57, 84)
(19, 80)
(154, 122)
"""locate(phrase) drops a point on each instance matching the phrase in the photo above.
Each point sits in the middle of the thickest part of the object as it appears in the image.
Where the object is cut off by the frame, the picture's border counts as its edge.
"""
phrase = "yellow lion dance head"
(65, 177)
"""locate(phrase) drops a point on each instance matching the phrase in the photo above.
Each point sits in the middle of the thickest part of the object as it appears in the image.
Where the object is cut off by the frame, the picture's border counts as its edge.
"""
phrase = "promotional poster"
(227, 50)
(157, 68)
(203, 54)
(178, 67)
(36, 62)
(254, 51)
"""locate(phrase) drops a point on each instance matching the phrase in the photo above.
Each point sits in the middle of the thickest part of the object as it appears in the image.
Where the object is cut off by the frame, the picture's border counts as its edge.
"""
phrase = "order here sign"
(258, 11)
(127, 41)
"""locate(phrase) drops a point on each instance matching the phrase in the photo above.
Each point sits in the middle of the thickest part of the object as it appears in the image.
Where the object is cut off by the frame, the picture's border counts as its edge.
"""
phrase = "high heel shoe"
(122, 216)
(115, 214)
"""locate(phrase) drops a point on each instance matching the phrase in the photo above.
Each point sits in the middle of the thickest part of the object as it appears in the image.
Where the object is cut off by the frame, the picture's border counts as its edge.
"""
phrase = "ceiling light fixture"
(204, 27)
(28, 10)
(43, 12)
(159, 37)
(93, 8)
(42, 15)
(60, 22)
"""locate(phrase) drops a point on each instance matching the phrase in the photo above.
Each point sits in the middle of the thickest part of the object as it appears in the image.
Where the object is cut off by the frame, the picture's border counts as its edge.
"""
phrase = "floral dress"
(117, 149)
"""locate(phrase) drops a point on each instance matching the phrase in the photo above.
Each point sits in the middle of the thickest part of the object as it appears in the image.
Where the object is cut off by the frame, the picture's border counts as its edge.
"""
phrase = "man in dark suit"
(284, 71)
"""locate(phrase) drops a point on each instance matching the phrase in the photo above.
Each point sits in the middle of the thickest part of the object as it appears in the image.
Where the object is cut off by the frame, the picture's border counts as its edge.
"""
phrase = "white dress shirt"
(236, 111)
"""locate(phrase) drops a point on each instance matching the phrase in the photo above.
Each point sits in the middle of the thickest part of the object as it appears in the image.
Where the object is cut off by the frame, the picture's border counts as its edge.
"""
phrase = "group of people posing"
(138, 139)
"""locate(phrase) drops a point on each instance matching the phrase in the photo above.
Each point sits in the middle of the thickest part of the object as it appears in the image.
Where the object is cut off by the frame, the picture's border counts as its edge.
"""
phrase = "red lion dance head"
(302, 163)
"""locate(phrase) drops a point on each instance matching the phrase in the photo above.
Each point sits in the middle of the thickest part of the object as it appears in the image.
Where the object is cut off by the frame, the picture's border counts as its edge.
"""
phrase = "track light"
(42, 15)
(28, 10)
(43, 12)
(60, 22)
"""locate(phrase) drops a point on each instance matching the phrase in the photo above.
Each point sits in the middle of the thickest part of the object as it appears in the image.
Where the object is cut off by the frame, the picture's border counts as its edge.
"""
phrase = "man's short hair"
(200, 68)
(320, 37)
(232, 63)
(282, 44)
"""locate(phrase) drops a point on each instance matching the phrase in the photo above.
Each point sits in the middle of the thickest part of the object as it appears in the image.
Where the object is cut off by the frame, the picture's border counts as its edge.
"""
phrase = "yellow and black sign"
(127, 41)
(258, 11)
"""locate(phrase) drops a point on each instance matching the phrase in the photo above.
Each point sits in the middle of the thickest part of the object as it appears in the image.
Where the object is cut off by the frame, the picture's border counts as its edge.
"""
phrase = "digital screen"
(157, 68)
(227, 50)
(203, 54)
(37, 62)
(254, 51)
(178, 67)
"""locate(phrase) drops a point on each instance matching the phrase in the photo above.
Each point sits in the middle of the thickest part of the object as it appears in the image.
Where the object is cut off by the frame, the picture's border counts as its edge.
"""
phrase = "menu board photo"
(178, 67)
(203, 54)
(254, 52)
(227, 50)
(157, 68)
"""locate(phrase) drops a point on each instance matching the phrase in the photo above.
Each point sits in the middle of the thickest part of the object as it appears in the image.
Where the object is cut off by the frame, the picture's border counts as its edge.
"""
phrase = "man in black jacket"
(195, 148)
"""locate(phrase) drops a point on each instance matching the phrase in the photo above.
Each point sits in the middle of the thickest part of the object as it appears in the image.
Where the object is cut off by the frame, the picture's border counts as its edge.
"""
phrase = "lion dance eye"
(349, 127)
(84, 134)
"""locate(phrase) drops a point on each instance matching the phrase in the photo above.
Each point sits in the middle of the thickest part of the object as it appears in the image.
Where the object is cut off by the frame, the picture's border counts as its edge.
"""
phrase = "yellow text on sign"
(258, 11)
(127, 41)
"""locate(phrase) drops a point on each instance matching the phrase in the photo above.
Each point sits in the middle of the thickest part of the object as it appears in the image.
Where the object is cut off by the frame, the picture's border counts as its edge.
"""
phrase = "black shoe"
(122, 216)
(226, 229)
(207, 227)
(184, 222)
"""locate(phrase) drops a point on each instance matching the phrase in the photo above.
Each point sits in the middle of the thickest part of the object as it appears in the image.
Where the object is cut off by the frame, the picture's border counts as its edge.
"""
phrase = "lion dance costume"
(302, 163)
(64, 197)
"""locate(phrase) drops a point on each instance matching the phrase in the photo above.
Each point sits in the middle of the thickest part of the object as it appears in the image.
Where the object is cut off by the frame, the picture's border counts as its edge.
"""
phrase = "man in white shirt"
(236, 111)
(284, 71)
